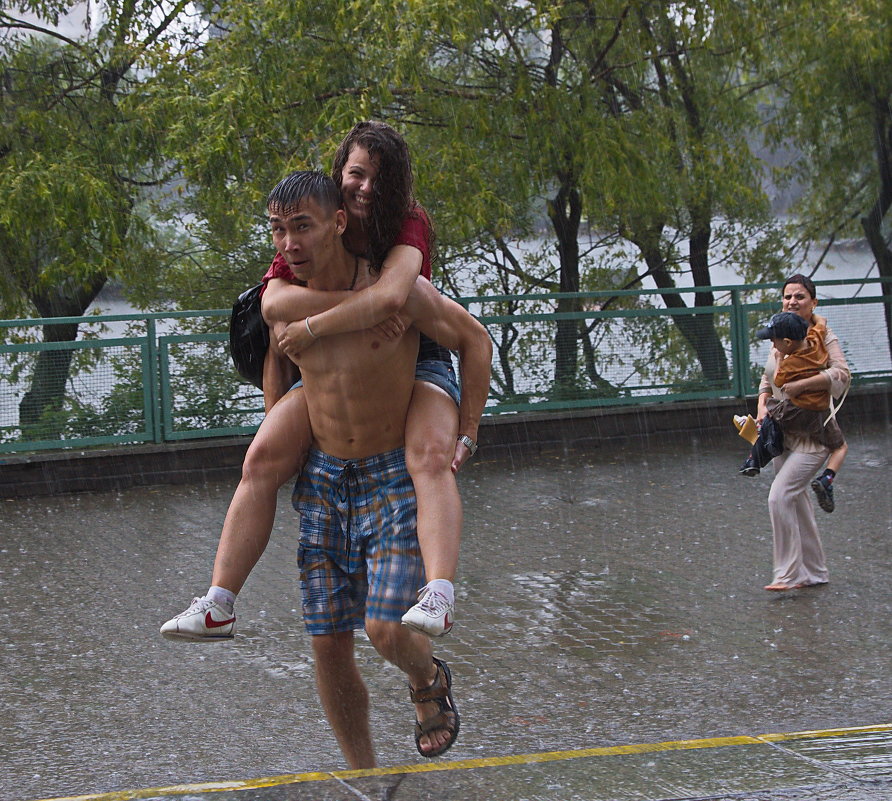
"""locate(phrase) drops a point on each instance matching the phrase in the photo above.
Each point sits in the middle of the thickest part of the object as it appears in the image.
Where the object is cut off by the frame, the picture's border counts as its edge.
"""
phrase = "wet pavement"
(614, 642)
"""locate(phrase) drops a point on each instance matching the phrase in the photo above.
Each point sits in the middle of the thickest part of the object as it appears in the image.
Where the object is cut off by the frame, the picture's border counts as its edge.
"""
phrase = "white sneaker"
(204, 621)
(432, 615)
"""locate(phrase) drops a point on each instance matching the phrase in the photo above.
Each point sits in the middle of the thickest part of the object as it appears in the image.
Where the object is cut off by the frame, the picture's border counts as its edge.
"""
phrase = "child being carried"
(802, 354)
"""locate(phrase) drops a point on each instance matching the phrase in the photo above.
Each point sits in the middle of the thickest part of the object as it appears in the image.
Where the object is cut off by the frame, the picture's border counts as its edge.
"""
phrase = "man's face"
(306, 235)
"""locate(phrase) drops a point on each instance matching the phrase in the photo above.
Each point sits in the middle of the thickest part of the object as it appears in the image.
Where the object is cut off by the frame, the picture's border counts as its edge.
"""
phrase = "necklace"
(355, 272)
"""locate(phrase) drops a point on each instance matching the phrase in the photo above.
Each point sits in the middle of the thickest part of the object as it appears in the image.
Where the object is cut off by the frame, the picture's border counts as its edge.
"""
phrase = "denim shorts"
(358, 556)
(440, 374)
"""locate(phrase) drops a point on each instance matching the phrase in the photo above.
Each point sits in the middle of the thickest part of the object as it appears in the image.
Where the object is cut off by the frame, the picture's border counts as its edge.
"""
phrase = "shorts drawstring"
(346, 496)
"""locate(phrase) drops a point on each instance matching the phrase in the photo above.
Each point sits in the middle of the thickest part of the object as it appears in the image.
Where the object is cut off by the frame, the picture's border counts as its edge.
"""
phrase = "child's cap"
(784, 325)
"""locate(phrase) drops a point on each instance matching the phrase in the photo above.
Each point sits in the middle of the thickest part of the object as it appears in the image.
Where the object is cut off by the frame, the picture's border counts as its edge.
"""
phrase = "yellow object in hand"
(746, 428)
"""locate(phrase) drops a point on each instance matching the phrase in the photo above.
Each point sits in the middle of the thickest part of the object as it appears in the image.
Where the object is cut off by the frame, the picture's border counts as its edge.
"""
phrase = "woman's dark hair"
(802, 280)
(392, 197)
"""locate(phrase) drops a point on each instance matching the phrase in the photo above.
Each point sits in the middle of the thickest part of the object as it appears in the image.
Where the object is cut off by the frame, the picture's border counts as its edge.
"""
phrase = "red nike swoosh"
(215, 624)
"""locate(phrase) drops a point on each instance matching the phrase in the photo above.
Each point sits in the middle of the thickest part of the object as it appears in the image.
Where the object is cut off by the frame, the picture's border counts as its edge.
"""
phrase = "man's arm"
(278, 375)
(453, 327)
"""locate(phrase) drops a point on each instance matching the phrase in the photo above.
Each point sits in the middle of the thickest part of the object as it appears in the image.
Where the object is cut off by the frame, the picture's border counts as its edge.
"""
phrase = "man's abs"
(358, 388)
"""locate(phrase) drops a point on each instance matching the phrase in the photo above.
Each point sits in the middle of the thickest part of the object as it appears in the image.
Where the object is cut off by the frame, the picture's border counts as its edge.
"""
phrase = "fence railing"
(159, 377)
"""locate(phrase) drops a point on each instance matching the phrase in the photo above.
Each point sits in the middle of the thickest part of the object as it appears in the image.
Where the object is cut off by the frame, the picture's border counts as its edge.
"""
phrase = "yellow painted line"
(811, 735)
(469, 764)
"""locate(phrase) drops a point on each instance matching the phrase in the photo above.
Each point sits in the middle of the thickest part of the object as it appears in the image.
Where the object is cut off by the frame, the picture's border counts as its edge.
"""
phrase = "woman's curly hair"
(392, 194)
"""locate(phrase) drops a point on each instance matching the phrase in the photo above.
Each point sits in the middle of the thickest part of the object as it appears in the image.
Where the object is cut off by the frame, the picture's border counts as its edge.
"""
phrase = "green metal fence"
(166, 376)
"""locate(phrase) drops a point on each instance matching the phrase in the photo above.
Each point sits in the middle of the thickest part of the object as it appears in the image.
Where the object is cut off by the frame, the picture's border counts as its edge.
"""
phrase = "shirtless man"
(359, 558)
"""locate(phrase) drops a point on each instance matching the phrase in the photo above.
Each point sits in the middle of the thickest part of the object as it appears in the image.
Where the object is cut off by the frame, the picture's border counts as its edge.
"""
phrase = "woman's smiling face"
(357, 179)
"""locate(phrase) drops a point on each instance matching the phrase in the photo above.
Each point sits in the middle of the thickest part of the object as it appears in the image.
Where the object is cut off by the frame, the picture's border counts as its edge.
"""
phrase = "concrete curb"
(501, 436)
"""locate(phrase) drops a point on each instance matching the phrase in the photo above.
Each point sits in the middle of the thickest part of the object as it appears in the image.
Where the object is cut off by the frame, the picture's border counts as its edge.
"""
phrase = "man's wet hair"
(802, 280)
(304, 185)
(392, 193)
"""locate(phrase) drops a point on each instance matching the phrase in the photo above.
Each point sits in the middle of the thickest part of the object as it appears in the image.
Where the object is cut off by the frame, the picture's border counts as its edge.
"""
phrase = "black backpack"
(248, 336)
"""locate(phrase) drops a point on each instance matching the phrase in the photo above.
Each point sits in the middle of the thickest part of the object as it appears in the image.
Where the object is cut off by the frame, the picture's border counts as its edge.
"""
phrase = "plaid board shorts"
(358, 555)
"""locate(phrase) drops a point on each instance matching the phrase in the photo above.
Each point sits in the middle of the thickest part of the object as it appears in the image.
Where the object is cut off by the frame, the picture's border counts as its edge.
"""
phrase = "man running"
(359, 558)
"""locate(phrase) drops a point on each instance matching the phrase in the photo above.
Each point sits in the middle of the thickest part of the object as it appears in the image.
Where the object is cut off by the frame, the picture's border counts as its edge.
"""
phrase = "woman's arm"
(762, 406)
(375, 306)
(339, 312)
(766, 389)
(372, 305)
(283, 301)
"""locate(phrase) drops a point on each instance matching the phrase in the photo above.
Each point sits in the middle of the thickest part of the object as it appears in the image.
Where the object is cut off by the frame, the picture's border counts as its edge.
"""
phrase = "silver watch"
(465, 440)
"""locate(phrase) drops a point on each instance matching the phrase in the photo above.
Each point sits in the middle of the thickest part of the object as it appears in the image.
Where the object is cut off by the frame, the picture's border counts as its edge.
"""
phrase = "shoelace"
(197, 605)
(434, 603)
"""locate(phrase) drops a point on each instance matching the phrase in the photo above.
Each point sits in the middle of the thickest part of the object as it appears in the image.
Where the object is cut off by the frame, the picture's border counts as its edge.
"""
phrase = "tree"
(76, 154)
(630, 118)
(834, 73)
(551, 119)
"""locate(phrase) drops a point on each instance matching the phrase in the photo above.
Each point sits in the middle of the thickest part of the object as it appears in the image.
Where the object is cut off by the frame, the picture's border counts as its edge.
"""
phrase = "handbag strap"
(834, 408)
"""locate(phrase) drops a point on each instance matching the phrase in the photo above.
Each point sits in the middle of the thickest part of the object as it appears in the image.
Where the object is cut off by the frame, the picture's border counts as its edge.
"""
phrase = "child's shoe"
(749, 468)
(823, 488)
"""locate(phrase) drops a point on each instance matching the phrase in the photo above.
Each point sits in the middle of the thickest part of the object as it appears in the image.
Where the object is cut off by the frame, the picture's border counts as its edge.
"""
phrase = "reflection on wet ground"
(607, 597)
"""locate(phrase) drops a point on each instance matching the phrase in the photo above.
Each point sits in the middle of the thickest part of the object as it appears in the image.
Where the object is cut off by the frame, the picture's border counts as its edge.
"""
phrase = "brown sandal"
(439, 692)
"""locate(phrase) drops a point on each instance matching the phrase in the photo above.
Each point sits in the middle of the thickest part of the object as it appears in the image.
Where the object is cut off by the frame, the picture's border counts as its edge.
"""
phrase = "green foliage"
(558, 144)
(121, 411)
(834, 61)
(206, 390)
(73, 160)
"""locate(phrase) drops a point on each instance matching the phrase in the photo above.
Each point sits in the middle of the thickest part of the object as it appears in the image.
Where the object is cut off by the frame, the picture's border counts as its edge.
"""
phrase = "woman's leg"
(798, 554)
(431, 431)
(276, 454)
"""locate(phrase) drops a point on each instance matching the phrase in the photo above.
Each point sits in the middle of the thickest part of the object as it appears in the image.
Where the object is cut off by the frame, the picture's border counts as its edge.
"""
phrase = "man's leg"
(344, 697)
(411, 652)
(394, 571)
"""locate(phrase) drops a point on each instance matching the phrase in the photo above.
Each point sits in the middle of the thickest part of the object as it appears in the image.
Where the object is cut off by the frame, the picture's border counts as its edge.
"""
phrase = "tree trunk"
(872, 223)
(48, 381)
(565, 212)
(47, 391)
(698, 330)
